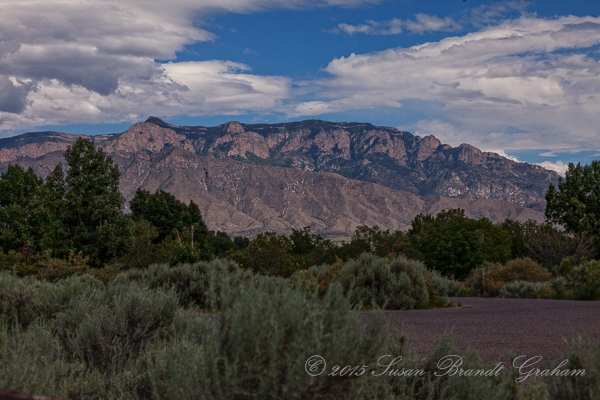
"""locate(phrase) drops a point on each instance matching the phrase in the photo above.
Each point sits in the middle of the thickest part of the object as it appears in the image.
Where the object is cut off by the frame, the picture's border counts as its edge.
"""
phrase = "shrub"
(373, 281)
(199, 284)
(526, 290)
(463, 291)
(260, 347)
(481, 280)
(53, 269)
(583, 353)
(105, 337)
(491, 277)
(13, 261)
(583, 279)
(520, 269)
(444, 286)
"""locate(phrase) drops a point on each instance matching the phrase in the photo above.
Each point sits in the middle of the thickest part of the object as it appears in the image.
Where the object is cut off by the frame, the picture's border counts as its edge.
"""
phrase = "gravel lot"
(500, 329)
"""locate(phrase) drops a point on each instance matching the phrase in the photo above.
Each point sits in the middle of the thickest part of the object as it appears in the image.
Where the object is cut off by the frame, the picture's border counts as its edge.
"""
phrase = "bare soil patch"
(500, 329)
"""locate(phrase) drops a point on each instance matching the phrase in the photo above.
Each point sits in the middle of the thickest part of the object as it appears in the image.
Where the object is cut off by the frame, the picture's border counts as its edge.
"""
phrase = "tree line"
(80, 210)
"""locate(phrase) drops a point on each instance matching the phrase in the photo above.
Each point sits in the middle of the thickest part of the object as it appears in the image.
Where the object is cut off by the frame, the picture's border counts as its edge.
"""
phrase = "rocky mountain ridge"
(395, 159)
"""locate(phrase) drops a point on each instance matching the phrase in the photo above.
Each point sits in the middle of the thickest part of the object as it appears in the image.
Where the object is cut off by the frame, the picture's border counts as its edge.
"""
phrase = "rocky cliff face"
(399, 160)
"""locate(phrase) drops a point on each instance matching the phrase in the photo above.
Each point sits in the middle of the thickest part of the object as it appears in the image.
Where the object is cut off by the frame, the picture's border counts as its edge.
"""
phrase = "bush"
(490, 278)
(583, 279)
(584, 353)
(520, 269)
(444, 286)
(52, 269)
(463, 291)
(261, 344)
(526, 290)
(104, 336)
(13, 261)
(199, 284)
(481, 280)
(373, 282)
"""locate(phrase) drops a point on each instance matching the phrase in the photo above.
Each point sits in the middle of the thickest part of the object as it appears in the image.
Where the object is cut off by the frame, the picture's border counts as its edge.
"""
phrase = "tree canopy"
(575, 204)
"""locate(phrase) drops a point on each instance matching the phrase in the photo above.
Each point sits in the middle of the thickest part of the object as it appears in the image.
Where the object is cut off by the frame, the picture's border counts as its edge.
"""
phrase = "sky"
(520, 78)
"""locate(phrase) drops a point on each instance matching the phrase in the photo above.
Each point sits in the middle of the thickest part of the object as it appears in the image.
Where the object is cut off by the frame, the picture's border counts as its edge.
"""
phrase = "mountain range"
(249, 178)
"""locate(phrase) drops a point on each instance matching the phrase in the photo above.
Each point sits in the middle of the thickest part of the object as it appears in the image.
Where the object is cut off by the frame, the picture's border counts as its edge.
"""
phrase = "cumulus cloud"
(530, 75)
(70, 60)
(559, 167)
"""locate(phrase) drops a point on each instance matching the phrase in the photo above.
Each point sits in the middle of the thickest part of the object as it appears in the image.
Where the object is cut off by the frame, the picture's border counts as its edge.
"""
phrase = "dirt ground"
(500, 329)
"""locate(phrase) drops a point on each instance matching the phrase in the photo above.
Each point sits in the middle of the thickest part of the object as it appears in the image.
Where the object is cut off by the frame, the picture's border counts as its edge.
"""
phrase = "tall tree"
(576, 202)
(93, 215)
(18, 191)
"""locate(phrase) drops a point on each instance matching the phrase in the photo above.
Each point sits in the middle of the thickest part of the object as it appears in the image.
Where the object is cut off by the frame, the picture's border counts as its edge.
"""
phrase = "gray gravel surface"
(500, 329)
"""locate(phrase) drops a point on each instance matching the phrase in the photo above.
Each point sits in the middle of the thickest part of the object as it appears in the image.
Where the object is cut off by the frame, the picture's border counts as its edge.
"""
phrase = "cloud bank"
(75, 61)
(521, 84)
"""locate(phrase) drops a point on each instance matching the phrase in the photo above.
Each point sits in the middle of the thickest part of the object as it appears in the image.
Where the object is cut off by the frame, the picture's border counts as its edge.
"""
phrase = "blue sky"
(515, 77)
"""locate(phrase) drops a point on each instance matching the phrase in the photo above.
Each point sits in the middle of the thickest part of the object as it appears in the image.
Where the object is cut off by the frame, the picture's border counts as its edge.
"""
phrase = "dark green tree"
(51, 210)
(18, 192)
(522, 234)
(221, 243)
(575, 204)
(268, 253)
(309, 249)
(454, 244)
(240, 243)
(180, 227)
(170, 216)
(93, 205)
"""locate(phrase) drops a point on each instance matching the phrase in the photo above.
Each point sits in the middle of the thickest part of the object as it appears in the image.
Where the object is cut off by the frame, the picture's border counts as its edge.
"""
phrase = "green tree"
(309, 249)
(221, 243)
(268, 253)
(522, 234)
(575, 204)
(18, 193)
(454, 244)
(93, 205)
(170, 216)
(51, 209)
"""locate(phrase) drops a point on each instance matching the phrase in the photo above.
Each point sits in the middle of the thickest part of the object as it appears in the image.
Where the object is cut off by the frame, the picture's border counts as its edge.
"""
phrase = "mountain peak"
(156, 121)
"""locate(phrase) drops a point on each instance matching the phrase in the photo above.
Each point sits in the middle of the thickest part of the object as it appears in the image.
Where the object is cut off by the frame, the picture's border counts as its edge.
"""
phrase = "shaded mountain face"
(244, 199)
(337, 175)
(391, 158)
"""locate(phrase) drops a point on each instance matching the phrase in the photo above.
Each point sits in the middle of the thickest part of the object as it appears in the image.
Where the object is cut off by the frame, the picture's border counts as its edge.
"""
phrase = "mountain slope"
(244, 199)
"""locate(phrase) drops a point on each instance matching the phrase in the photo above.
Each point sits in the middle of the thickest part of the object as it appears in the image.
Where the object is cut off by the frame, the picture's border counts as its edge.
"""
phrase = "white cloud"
(528, 75)
(485, 14)
(81, 61)
(209, 87)
(558, 167)
(420, 24)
